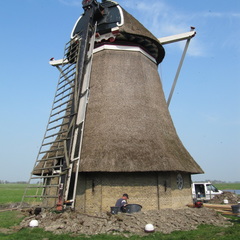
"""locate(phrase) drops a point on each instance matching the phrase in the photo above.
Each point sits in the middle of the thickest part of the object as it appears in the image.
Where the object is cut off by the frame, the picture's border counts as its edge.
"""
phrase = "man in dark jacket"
(122, 202)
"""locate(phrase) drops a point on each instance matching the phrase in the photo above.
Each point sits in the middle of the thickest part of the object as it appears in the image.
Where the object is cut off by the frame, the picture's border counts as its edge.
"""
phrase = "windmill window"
(179, 181)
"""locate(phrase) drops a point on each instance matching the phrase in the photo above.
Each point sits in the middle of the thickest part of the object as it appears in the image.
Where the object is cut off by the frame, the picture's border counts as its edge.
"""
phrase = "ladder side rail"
(77, 95)
(81, 70)
(43, 186)
(83, 106)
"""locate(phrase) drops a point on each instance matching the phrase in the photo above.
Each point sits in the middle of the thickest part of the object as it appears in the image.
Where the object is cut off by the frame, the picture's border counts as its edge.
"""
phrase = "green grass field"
(10, 220)
(10, 193)
(227, 186)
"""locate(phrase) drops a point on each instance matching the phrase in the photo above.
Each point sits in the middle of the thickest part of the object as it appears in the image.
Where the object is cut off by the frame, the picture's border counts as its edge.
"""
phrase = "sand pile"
(231, 197)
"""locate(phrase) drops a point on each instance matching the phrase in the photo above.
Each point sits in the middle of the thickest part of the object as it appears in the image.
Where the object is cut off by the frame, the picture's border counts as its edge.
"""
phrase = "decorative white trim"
(107, 47)
(118, 24)
(108, 35)
(122, 17)
(124, 48)
(176, 38)
(75, 26)
(58, 62)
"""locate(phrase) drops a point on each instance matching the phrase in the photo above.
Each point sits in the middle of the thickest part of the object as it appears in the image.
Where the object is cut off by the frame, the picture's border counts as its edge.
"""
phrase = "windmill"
(109, 119)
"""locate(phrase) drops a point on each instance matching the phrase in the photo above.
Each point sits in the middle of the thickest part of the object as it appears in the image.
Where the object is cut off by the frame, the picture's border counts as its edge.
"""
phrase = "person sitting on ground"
(122, 202)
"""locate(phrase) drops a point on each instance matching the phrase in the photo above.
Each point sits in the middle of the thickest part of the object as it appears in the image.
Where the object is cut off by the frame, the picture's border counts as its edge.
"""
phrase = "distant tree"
(21, 182)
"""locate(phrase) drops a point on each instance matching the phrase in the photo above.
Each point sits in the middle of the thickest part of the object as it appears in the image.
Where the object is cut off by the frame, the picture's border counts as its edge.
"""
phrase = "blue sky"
(205, 105)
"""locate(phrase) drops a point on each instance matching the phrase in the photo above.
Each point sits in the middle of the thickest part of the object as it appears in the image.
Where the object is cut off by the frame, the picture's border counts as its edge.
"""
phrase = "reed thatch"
(128, 126)
(134, 32)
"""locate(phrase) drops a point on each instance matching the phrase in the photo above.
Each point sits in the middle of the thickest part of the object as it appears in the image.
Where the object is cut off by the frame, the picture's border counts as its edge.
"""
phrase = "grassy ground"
(9, 225)
(227, 186)
(11, 192)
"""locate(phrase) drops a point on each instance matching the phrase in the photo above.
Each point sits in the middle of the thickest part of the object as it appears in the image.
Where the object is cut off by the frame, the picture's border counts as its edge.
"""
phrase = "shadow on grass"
(234, 219)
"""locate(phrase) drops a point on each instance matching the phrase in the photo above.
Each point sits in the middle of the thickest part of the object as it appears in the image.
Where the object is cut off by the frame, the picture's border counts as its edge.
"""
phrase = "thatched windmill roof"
(134, 32)
(128, 126)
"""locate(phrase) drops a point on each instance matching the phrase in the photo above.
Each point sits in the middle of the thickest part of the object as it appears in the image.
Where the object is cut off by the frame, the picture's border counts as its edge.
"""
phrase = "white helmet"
(149, 228)
(33, 223)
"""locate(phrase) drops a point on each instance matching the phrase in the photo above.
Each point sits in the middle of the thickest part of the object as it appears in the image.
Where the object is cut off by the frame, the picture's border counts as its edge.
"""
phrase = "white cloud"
(235, 15)
(220, 15)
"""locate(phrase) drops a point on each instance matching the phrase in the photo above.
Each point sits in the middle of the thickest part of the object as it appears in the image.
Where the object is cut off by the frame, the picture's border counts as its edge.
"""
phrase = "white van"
(204, 191)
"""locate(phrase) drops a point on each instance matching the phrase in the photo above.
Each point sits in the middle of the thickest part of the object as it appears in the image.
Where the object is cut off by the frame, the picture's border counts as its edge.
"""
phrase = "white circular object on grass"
(33, 223)
(149, 228)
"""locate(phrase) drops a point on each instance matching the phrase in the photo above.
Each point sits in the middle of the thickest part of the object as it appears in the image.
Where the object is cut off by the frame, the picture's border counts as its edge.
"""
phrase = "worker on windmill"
(122, 202)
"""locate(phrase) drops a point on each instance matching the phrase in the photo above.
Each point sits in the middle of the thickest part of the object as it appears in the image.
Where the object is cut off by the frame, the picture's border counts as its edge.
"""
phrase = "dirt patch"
(6, 230)
(12, 206)
(10, 230)
(231, 197)
(165, 221)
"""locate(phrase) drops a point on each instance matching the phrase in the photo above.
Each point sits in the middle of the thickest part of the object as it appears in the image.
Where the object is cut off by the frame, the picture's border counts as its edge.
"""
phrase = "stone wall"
(97, 192)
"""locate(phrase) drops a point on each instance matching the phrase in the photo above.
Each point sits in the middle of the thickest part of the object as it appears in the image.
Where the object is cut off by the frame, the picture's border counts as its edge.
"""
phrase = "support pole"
(178, 71)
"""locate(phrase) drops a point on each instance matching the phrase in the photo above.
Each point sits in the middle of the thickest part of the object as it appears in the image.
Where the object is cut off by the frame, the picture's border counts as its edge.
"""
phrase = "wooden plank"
(218, 206)
(227, 212)
(225, 209)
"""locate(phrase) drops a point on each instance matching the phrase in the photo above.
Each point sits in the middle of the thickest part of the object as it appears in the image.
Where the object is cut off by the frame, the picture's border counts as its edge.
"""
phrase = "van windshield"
(210, 187)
